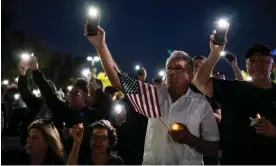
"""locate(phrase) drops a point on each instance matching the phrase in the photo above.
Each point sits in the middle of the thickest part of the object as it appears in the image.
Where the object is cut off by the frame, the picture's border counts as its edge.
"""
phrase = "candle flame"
(175, 127)
(258, 116)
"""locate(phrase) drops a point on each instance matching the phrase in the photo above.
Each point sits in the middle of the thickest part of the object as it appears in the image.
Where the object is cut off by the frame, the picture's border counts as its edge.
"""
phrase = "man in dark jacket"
(77, 110)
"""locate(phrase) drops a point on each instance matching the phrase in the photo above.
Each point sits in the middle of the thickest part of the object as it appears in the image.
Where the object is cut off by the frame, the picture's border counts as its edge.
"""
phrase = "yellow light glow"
(258, 116)
(176, 127)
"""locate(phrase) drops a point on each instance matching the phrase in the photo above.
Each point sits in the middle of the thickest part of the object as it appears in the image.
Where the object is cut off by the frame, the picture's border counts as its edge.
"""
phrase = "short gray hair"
(181, 55)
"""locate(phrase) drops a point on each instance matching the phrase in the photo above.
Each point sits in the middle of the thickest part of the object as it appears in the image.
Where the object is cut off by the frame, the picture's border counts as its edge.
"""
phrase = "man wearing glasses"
(243, 142)
(198, 131)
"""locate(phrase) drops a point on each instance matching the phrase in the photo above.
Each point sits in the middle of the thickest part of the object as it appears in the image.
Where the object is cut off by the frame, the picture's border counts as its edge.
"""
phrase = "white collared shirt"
(195, 113)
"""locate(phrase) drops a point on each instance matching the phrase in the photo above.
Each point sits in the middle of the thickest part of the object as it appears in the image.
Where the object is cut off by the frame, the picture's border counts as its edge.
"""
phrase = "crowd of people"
(192, 115)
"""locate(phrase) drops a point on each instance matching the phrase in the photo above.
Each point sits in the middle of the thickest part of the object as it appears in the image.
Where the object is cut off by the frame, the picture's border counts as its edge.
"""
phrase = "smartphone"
(221, 31)
(230, 57)
(93, 19)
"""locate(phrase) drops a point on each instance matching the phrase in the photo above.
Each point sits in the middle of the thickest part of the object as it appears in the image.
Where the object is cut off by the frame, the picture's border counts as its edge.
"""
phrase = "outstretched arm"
(31, 100)
(108, 63)
(53, 102)
(203, 79)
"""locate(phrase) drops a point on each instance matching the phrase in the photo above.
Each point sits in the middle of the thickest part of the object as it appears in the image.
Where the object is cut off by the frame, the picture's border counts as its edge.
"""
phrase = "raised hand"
(33, 63)
(97, 40)
(77, 133)
(22, 67)
(234, 62)
(216, 48)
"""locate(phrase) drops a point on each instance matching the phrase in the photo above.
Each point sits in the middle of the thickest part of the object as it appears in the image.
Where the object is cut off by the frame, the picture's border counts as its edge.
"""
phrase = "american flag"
(143, 96)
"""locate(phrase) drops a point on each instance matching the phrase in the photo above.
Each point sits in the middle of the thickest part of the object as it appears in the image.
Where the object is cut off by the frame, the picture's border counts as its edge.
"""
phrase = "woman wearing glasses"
(44, 147)
(102, 137)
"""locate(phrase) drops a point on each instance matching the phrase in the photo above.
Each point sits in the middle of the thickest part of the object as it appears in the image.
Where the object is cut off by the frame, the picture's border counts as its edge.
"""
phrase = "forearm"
(42, 83)
(108, 65)
(30, 99)
(74, 155)
(23, 88)
(207, 148)
(204, 72)
(53, 102)
(217, 117)
(237, 71)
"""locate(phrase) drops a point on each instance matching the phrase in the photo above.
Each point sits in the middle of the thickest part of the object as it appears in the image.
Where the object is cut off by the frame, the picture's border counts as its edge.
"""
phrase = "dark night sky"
(141, 31)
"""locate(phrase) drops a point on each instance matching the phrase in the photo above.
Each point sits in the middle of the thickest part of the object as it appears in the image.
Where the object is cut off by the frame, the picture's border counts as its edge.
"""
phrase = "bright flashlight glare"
(85, 72)
(93, 12)
(36, 92)
(5, 82)
(161, 73)
(25, 56)
(222, 23)
(69, 88)
(96, 59)
(249, 78)
(16, 79)
(118, 108)
(16, 96)
(222, 53)
(89, 58)
(137, 67)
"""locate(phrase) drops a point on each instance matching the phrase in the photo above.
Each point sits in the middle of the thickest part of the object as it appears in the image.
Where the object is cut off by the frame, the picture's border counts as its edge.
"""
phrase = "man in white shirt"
(176, 103)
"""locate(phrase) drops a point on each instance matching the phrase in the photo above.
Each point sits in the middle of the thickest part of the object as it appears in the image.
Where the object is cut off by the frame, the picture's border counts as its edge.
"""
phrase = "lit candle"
(175, 126)
(256, 120)
(258, 116)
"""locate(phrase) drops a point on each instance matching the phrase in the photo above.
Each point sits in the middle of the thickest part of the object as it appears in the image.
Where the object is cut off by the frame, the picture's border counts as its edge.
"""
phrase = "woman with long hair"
(43, 147)
(102, 137)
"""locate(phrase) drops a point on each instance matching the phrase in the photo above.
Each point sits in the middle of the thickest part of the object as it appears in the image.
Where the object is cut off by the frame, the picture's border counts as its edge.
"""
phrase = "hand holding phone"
(230, 57)
(221, 32)
(93, 18)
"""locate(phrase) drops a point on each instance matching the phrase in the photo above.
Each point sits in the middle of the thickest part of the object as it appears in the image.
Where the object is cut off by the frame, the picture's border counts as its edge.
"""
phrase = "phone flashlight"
(222, 26)
(93, 18)
(16, 96)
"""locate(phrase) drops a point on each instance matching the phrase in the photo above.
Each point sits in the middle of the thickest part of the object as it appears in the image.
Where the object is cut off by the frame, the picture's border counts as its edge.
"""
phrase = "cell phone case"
(92, 25)
(229, 57)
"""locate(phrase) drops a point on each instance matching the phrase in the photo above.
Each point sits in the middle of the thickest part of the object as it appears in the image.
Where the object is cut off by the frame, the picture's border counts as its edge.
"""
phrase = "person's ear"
(191, 76)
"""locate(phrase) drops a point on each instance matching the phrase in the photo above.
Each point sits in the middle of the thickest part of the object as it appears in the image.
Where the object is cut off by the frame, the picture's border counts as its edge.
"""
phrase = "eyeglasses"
(259, 61)
(76, 93)
(169, 71)
(99, 137)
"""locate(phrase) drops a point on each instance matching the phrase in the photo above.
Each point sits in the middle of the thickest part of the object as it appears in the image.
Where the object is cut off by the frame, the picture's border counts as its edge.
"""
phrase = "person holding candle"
(165, 105)
(241, 142)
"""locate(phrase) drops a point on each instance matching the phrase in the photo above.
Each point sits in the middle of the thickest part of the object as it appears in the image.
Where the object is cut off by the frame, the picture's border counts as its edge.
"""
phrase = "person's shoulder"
(195, 89)
(235, 82)
(195, 95)
(231, 84)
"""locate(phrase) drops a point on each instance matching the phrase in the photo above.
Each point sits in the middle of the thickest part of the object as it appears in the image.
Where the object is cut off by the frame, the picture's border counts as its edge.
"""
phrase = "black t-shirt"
(214, 104)
(113, 160)
(241, 100)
